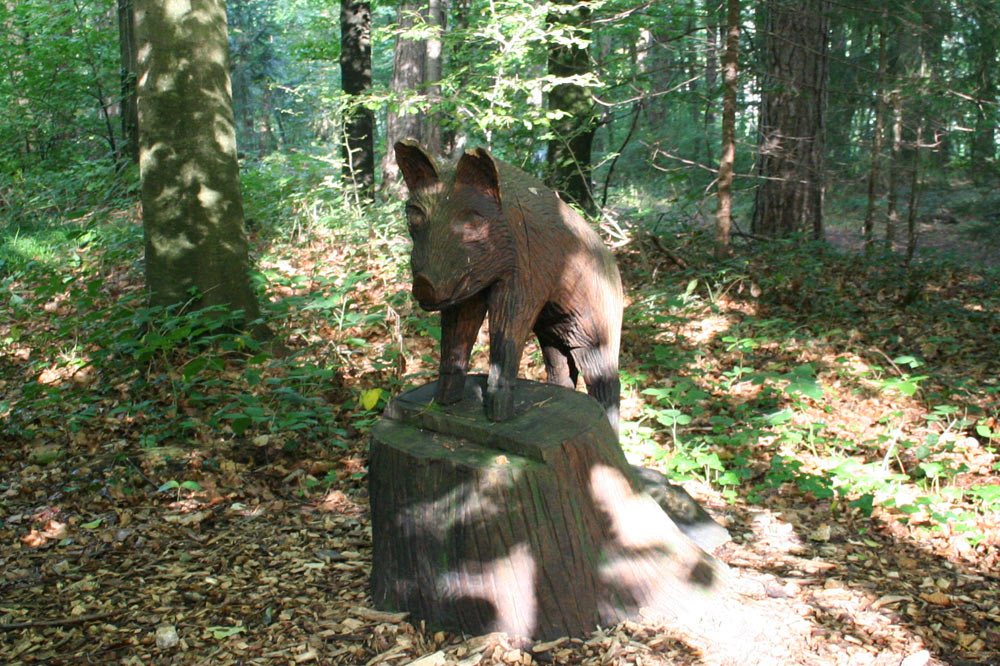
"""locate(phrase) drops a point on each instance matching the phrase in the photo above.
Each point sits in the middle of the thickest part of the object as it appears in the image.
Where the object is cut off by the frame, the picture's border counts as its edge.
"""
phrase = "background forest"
(803, 199)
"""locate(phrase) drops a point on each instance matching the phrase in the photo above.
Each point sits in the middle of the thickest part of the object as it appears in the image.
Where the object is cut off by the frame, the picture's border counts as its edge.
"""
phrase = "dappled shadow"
(862, 586)
(192, 207)
(545, 542)
(844, 311)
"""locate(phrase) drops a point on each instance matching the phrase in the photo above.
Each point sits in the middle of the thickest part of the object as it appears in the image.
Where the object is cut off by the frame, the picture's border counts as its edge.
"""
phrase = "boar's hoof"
(499, 403)
(450, 388)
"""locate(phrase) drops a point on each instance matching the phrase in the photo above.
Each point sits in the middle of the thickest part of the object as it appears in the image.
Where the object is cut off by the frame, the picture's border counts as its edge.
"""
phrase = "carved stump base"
(536, 526)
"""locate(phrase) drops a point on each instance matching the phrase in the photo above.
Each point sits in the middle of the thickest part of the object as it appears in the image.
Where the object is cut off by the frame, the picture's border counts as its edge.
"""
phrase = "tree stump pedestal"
(536, 526)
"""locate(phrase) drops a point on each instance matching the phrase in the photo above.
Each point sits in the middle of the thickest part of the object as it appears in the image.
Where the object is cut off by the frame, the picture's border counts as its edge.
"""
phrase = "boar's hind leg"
(559, 364)
(460, 325)
(600, 373)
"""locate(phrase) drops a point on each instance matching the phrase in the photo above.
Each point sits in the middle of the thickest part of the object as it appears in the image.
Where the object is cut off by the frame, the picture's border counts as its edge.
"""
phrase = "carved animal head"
(461, 242)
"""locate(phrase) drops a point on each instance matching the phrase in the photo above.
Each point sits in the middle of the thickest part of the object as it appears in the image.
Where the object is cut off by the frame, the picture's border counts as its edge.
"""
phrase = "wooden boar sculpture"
(488, 237)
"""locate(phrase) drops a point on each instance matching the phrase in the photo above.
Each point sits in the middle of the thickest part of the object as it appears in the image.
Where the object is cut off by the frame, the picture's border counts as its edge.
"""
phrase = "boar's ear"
(417, 166)
(478, 169)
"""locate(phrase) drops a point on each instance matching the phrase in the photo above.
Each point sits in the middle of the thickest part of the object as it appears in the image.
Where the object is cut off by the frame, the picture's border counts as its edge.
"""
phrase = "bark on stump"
(536, 526)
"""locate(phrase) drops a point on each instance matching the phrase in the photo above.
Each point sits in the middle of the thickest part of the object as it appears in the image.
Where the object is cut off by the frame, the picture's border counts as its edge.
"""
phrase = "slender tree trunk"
(906, 71)
(936, 17)
(358, 147)
(266, 114)
(984, 146)
(191, 202)
(568, 155)
(711, 63)
(433, 68)
(129, 55)
(875, 173)
(790, 160)
(895, 168)
(453, 137)
(730, 72)
(911, 213)
(409, 61)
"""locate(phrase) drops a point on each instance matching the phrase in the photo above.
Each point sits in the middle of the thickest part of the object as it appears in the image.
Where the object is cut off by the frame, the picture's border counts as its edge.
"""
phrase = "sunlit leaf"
(370, 398)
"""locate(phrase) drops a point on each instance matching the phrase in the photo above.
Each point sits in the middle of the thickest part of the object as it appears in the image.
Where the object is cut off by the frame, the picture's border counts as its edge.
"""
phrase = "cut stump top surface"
(545, 417)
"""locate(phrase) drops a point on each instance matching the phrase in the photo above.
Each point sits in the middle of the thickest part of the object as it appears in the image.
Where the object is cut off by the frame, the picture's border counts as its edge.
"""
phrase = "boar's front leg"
(510, 323)
(460, 325)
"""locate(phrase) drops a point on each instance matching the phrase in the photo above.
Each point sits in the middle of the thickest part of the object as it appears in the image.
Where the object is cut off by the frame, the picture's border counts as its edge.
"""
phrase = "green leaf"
(865, 504)
(226, 632)
(172, 484)
(46, 454)
(326, 303)
(92, 525)
(911, 361)
(240, 424)
(190, 485)
(931, 470)
(370, 398)
(194, 367)
(779, 417)
(989, 494)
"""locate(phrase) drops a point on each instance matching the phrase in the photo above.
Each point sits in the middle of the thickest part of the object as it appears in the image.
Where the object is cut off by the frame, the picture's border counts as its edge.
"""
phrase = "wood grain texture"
(535, 526)
(487, 230)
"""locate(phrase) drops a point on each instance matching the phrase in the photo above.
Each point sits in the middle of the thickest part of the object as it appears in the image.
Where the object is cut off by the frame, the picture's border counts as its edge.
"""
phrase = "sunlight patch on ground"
(744, 306)
(773, 534)
(704, 330)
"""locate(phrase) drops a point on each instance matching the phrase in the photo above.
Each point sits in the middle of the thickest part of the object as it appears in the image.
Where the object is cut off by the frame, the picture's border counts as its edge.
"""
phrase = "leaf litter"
(260, 552)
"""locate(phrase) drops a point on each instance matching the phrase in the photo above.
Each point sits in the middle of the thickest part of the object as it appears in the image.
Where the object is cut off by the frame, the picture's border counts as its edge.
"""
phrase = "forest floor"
(145, 520)
(957, 222)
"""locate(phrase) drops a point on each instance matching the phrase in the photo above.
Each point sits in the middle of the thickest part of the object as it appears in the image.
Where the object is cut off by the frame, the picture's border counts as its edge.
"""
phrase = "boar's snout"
(423, 291)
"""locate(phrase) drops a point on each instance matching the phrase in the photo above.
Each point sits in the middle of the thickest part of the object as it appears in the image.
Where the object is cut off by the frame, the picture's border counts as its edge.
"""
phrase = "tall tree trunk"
(937, 20)
(433, 69)
(984, 146)
(875, 172)
(911, 213)
(129, 55)
(906, 71)
(358, 147)
(730, 72)
(192, 207)
(453, 137)
(896, 167)
(568, 155)
(790, 160)
(409, 60)
(711, 62)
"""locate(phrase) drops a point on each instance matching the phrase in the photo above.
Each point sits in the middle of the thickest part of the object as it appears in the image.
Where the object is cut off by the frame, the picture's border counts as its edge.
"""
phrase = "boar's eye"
(415, 219)
(475, 228)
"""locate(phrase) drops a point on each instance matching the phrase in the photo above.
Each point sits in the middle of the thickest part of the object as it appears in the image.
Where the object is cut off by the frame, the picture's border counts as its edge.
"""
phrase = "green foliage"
(178, 369)
(61, 78)
(789, 429)
(744, 371)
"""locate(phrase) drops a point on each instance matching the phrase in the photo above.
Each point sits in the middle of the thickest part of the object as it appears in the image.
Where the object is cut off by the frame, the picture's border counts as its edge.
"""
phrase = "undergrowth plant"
(760, 405)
